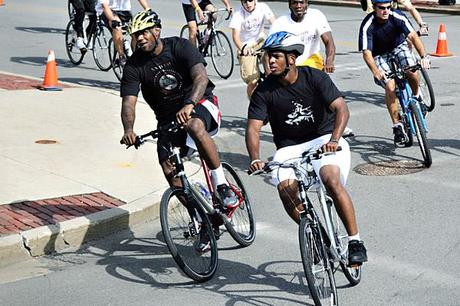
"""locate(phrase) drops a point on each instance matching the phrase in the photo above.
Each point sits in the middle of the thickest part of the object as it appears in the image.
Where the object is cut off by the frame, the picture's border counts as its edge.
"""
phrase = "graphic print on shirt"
(167, 80)
(300, 114)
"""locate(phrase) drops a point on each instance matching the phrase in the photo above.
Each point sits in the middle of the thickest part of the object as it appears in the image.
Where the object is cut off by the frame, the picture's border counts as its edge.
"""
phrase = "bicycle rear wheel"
(421, 133)
(426, 89)
(242, 224)
(222, 54)
(316, 264)
(353, 274)
(115, 63)
(74, 54)
(182, 228)
(101, 46)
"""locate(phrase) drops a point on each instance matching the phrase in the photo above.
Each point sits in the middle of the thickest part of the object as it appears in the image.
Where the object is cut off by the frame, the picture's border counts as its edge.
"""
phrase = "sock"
(354, 237)
(218, 177)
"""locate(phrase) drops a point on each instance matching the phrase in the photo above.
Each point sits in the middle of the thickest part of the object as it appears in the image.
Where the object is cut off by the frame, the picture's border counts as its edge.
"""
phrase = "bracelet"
(189, 101)
(255, 161)
(334, 140)
(198, 8)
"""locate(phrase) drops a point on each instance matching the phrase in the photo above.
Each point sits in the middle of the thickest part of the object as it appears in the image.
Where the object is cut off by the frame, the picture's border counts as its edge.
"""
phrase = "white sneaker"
(347, 132)
(81, 44)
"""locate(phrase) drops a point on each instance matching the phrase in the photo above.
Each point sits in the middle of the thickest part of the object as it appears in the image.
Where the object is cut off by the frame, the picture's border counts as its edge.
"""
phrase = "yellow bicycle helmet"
(144, 20)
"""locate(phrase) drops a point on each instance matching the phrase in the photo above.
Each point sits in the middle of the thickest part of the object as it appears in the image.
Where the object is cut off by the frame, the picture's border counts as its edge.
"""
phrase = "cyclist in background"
(369, 8)
(190, 7)
(306, 111)
(114, 13)
(176, 87)
(81, 7)
(383, 37)
(311, 26)
(247, 26)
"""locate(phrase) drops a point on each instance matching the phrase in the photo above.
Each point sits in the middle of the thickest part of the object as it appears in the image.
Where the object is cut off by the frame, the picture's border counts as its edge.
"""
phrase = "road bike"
(323, 239)
(213, 42)
(117, 66)
(193, 212)
(96, 37)
(412, 111)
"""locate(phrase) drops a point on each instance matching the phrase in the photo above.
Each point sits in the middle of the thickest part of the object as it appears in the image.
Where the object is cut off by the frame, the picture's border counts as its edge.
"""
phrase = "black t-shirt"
(297, 113)
(164, 79)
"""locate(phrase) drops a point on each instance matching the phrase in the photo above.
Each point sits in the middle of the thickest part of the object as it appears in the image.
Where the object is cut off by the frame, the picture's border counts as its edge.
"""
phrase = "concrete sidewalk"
(66, 144)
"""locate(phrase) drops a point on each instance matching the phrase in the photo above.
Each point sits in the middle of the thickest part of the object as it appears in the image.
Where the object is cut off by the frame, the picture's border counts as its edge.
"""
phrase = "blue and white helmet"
(381, 1)
(285, 42)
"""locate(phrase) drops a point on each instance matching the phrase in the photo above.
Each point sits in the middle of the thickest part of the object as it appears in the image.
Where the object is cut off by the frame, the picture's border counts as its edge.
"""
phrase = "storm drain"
(386, 168)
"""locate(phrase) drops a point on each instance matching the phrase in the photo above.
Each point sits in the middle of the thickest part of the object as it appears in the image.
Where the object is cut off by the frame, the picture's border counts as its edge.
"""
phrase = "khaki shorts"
(249, 69)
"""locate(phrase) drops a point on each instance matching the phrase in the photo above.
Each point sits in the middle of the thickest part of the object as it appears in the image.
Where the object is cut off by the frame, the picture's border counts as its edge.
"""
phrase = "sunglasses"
(383, 8)
(246, 1)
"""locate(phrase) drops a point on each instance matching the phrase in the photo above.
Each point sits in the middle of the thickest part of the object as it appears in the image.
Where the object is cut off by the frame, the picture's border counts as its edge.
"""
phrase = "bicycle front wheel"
(74, 54)
(115, 63)
(316, 264)
(101, 46)
(420, 132)
(183, 228)
(239, 220)
(222, 54)
(426, 89)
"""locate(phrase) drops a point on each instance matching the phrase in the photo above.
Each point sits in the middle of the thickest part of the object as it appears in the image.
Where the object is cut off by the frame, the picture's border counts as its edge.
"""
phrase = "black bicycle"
(213, 42)
(192, 213)
(117, 66)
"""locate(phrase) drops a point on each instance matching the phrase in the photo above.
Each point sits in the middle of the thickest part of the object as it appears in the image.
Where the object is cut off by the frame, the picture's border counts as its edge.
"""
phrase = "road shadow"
(39, 61)
(94, 83)
(370, 97)
(41, 30)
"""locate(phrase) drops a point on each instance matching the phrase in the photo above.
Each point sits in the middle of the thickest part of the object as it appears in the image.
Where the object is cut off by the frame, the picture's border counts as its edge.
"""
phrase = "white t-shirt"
(251, 25)
(309, 30)
(115, 5)
(188, 1)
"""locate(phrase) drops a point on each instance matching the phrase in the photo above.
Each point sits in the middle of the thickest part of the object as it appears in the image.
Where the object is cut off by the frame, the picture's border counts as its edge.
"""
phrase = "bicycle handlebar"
(170, 127)
(413, 68)
(229, 13)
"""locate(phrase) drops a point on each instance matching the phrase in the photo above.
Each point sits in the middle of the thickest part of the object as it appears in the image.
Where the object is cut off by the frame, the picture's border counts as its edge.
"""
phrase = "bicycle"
(117, 67)
(411, 113)
(213, 42)
(96, 38)
(323, 240)
(426, 88)
(192, 212)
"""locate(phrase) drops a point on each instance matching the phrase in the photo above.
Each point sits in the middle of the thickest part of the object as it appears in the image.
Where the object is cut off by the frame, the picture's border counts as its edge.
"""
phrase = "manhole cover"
(386, 168)
(46, 141)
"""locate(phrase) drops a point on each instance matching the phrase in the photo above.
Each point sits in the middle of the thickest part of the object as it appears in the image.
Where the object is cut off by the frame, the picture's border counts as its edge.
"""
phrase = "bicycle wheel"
(421, 133)
(74, 54)
(242, 224)
(316, 264)
(70, 10)
(184, 32)
(222, 54)
(353, 274)
(426, 89)
(182, 229)
(115, 63)
(101, 52)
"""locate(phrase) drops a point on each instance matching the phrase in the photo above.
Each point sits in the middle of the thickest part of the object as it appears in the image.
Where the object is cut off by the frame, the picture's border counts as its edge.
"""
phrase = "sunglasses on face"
(246, 1)
(383, 8)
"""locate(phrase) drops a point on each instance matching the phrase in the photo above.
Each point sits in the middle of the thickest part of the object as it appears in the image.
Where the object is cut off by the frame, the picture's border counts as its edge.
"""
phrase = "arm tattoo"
(200, 81)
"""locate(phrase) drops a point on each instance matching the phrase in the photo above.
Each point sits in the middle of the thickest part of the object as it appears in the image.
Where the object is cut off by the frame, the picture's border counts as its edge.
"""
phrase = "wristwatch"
(189, 101)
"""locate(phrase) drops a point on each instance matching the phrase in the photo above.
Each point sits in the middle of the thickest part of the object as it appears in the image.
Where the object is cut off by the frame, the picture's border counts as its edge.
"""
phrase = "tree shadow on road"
(41, 30)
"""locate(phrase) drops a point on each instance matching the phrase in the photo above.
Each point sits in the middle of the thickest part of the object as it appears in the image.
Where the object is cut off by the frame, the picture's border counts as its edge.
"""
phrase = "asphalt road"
(409, 222)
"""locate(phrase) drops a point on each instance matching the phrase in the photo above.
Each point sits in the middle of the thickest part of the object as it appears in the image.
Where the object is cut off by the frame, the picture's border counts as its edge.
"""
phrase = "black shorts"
(189, 11)
(178, 139)
(125, 17)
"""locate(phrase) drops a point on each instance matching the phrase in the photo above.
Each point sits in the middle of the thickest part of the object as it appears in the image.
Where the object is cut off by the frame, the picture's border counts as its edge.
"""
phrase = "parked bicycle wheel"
(316, 264)
(74, 54)
(242, 225)
(101, 41)
(421, 133)
(427, 90)
(182, 237)
(222, 54)
(353, 274)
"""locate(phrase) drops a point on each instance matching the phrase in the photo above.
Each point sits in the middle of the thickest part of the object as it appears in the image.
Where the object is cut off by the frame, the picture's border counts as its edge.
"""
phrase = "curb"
(73, 233)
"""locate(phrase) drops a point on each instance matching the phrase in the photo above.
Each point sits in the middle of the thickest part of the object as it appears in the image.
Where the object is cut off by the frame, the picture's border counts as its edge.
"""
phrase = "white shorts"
(293, 153)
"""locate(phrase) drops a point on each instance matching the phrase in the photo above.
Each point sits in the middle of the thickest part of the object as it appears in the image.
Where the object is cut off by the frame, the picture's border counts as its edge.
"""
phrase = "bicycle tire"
(74, 54)
(322, 286)
(427, 91)
(184, 32)
(242, 225)
(222, 54)
(421, 133)
(116, 67)
(70, 10)
(101, 53)
(175, 219)
(352, 274)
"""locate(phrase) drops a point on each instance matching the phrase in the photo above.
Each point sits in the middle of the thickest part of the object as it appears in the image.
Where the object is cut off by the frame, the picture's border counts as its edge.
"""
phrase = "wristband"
(198, 8)
(333, 140)
(189, 101)
(255, 161)
(425, 56)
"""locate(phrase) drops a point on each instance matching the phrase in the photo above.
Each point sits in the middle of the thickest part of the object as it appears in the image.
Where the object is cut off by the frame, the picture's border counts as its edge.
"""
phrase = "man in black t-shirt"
(173, 79)
(305, 111)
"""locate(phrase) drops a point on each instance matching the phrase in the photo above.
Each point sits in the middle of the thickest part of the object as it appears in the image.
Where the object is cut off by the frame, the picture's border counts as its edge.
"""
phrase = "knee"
(287, 190)
(196, 129)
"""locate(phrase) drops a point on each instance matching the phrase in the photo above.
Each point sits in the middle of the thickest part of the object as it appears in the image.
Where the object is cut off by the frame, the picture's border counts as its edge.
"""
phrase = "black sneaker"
(204, 244)
(400, 137)
(357, 253)
(226, 196)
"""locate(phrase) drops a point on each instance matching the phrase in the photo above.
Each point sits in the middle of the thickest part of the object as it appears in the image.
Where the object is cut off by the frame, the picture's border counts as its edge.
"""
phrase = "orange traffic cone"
(1, 3)
(441, 47)
(50, 81)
